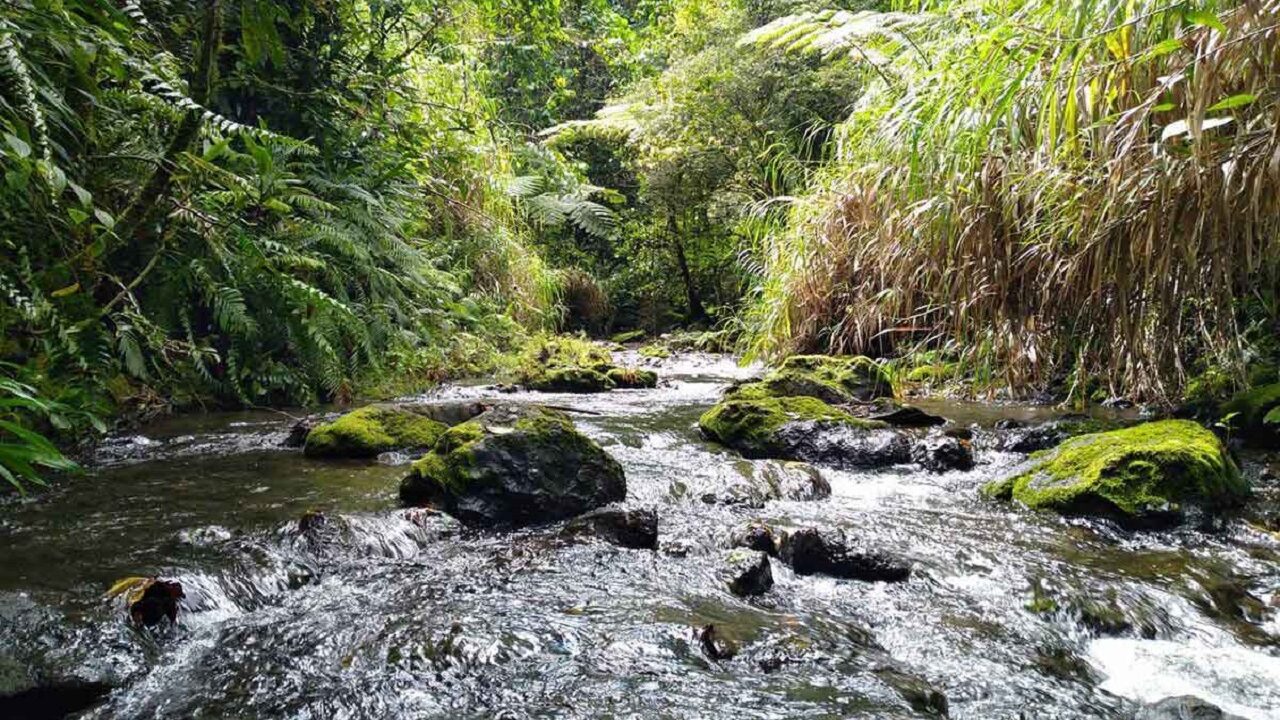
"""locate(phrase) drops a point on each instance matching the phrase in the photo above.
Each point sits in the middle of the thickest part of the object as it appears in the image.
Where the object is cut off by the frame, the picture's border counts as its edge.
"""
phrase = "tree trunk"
(694, 300)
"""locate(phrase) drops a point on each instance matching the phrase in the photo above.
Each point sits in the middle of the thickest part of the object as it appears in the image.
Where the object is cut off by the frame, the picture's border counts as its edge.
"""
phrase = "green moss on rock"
(654, 351)
(1146, 473)
(514, 465)
(836, 380)
(1256, 416)
(632, 378)
(372, 430)
(749, 425)
(571, 380)
(628, 336)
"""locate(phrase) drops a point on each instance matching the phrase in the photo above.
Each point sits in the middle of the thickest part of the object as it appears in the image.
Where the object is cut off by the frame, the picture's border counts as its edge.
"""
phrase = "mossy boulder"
(657, 352)
(512, 466)
(571, 380)
(1257, 415)
(1147, 474)
(632, 378)
(803, 428)
(835, 380)
(574, 365)
(629, 336)
(372, 430)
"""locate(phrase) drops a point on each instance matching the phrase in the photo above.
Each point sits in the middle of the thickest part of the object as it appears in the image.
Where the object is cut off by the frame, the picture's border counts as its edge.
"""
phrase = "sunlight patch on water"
(1236, 679)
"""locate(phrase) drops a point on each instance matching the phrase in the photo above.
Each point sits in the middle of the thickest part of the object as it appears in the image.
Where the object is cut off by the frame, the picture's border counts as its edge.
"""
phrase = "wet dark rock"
(312, 520)
(298, 432)
(755, 482)
(713, 646)
(1119, 403)
(843, 446)
(959, 433)
(746, 572)
(1230, 599)
(811, 551)
(919, 694)
(630, 528)
(515, 465)
(161, 599)
(908, 416)
(676, 548)
(1185, 707)
(1017, 436)
(757, 537)
(939, 453)
(52, 701)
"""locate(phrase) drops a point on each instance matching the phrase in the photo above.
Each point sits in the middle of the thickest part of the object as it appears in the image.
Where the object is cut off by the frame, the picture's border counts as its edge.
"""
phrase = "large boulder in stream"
(630, 528)
(575, 365)
(803, 428)
(1184, 707)
(373, 430)
(812, 551)
(1149, 474)
(1257, 416)
(835, 380)
(514, 465)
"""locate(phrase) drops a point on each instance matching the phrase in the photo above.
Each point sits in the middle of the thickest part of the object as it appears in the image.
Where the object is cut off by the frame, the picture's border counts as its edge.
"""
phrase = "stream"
(382, 612)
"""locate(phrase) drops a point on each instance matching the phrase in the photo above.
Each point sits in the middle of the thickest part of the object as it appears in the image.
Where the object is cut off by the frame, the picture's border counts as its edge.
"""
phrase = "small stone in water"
(712, 646)
(747, 573)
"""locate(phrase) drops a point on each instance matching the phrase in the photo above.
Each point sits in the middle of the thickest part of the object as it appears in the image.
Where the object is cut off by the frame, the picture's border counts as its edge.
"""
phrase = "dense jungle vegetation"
(279, 202)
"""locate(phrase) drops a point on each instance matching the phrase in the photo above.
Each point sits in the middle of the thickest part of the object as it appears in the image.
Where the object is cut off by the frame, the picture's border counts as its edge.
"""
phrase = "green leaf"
(105, 218)
(1234, 101)
(1204, 18)
(77, 216)
(19, 145)
(84, 196)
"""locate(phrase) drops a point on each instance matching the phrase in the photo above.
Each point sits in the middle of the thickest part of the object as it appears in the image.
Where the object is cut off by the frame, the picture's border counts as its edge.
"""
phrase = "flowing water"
(383, 612)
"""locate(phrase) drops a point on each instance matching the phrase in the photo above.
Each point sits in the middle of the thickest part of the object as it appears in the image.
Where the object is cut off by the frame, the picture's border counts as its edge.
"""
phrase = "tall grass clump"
(1060, 190)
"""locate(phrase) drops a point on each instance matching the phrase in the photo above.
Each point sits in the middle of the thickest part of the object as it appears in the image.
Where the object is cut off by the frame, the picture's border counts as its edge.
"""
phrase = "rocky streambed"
(871, 581)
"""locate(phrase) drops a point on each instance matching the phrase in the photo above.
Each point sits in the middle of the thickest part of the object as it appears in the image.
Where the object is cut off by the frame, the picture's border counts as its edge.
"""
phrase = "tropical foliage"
(1046, 190)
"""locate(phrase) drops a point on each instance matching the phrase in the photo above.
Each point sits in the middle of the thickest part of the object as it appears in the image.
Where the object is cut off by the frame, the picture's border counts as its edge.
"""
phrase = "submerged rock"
(52, 700)
(620, 526)
(802, 428)
(1147, 474)
(835, 380)
(810, 551)
(1257, 416)
(915, 690)
(632, 378)
(1015, 436)
(907, 416)
(1185, 707)
(372, 430)
(940, 453)
(756, 482)
(515, 465)
(746, 572)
